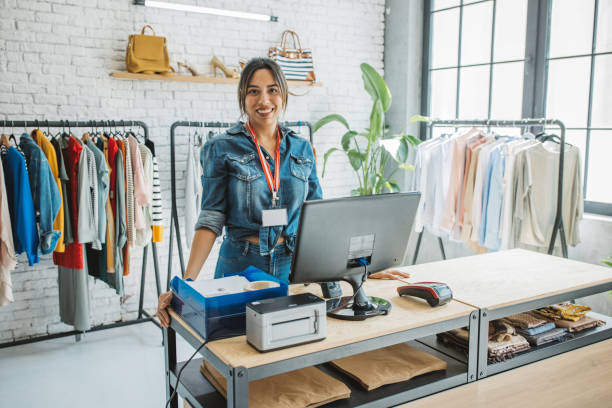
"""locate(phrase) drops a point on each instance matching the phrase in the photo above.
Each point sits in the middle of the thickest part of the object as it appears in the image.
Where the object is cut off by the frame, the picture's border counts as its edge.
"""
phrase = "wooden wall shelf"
(199, 78)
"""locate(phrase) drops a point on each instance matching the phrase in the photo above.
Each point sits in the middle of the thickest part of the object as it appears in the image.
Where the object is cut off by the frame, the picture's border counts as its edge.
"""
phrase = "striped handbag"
(295, 62)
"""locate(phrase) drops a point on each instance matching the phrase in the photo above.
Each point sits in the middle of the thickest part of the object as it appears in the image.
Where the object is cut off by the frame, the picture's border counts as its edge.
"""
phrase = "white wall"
(55, 60)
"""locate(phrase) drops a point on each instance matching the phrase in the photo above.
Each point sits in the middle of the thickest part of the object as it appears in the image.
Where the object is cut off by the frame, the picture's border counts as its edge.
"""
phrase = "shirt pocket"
(300, 166)
(243, 167)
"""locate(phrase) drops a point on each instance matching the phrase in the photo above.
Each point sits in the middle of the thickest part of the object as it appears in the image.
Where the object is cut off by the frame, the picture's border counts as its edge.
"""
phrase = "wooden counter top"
(405, 314)
(581, 378)
(510, 277)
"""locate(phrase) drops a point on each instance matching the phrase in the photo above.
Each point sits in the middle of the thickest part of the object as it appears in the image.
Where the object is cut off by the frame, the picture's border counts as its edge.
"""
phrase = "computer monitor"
(338, 239)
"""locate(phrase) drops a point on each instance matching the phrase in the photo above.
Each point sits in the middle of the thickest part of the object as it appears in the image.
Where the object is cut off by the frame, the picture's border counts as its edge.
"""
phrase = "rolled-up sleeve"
(214, 185)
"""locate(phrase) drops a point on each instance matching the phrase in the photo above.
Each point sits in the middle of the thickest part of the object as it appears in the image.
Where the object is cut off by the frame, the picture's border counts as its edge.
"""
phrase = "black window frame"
(534, 77)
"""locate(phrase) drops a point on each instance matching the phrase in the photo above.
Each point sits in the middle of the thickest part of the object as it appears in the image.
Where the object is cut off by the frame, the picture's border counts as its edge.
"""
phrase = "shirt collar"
(239, 128)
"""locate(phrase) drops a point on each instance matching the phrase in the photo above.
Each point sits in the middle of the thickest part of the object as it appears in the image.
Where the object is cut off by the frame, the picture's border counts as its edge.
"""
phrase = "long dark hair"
(248, 71)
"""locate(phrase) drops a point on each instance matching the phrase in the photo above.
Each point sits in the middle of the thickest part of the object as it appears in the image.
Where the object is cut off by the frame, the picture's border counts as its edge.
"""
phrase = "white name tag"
(274, 217)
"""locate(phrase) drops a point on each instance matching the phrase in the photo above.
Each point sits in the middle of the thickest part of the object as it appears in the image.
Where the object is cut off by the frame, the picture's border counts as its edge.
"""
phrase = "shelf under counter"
(200, 393)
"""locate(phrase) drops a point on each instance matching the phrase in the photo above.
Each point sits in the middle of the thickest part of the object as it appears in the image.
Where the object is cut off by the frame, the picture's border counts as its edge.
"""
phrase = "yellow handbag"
(147, 54)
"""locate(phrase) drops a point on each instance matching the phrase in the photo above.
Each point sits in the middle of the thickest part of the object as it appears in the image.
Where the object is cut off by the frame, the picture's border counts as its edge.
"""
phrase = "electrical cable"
(178, 377)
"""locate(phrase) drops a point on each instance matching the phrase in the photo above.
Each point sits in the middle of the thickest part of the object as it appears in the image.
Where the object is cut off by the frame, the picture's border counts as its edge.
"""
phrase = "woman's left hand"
(390, 274)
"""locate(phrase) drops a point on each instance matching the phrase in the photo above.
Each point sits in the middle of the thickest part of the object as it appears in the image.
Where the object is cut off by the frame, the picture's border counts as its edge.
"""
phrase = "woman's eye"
(252, 92)
(273, 90)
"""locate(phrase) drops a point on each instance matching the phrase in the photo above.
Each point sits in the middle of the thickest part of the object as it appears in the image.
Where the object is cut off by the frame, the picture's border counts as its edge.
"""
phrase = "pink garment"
(449, 217)
(8, 258)
(141, 195)
(472, 144)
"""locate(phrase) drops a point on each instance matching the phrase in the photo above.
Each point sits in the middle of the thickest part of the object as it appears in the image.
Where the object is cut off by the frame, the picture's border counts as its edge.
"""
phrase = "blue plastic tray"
(221, 316)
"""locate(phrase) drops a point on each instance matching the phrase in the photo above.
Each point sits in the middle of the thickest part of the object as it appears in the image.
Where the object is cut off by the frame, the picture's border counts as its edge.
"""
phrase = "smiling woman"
(255, 178)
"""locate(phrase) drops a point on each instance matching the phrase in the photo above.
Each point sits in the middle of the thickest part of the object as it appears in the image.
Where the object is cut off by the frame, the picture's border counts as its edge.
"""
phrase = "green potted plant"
(369, 151)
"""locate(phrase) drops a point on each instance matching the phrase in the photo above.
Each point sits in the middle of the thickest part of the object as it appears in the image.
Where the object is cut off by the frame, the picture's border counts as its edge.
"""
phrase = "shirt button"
(267, 157)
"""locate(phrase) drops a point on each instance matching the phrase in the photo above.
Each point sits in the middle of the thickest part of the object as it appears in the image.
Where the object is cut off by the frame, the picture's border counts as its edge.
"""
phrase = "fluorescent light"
(205, 10)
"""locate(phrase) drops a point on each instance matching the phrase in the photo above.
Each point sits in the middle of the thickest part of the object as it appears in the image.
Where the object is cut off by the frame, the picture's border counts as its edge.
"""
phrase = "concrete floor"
(116, 367)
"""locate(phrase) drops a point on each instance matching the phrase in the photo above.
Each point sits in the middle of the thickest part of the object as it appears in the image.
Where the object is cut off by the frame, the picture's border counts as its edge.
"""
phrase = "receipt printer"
(285, 321)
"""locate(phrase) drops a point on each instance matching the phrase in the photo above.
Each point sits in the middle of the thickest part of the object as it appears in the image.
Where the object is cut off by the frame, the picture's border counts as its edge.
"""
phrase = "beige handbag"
(147, 54)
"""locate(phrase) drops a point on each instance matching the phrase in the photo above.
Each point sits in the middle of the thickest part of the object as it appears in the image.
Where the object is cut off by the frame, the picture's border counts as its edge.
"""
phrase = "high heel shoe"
(187, 67)
(229, 73)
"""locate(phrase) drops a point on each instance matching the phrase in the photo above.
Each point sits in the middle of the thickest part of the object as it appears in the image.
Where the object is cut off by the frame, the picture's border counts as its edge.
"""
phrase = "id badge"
(274, 217)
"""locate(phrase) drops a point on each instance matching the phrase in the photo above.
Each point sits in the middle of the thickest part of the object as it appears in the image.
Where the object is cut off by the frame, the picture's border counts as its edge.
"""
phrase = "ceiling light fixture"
(204, 10)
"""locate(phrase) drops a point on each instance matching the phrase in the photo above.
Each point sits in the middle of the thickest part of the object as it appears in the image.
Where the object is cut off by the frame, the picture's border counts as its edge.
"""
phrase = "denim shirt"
(235, 191)
(45, 194)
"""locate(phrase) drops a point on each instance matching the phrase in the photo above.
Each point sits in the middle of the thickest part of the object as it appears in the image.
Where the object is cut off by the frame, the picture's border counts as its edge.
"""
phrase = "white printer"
(285, 321)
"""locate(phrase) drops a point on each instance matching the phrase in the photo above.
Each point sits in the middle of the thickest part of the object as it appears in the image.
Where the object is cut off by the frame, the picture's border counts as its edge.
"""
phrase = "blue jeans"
(236, 256)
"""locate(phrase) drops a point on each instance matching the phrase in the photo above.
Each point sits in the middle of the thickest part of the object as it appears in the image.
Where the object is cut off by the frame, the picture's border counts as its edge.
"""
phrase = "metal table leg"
(170, 358)
(483, 341)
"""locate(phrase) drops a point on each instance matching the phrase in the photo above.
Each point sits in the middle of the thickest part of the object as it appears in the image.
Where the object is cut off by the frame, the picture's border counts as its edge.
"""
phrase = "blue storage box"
(221, 316)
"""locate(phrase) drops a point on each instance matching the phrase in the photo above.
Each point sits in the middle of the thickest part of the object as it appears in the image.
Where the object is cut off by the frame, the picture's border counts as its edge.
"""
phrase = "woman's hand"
(390, 274)
(162, 304)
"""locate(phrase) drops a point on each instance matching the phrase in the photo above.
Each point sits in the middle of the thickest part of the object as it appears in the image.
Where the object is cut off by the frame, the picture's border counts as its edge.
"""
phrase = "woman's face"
(263, 99)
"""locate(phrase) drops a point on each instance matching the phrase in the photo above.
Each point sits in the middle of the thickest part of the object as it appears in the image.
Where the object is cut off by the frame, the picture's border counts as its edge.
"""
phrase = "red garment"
(112, 156)
(73, 256)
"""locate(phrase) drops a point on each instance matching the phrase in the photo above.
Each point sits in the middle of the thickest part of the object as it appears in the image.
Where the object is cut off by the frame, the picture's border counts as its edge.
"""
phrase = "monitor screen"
(335, 235)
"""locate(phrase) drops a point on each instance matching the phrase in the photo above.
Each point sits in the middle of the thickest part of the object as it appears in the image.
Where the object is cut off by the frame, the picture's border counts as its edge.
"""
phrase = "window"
(509, 59)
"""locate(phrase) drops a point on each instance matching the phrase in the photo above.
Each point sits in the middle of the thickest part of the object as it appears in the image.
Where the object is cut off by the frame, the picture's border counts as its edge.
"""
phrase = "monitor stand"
(361, 307)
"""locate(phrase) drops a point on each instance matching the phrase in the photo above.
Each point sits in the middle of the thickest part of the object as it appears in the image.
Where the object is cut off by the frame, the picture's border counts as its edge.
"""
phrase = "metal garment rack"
(141, 311)
(174, 223)
(558, 223)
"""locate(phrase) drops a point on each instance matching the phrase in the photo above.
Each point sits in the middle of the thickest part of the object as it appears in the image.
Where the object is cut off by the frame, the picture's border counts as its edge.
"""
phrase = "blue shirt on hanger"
(21, 207)
(235, 191)
(45, 194)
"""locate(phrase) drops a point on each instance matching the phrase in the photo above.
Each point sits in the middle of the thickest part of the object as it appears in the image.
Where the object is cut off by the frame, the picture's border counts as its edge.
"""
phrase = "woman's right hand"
(162, 314)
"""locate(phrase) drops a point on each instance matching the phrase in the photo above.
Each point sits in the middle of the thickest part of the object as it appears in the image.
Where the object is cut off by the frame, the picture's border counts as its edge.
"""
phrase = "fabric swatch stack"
(569, 316)
(504, 342)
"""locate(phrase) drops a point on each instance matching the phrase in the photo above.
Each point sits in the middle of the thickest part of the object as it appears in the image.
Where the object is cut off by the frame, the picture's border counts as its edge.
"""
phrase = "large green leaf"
(609, 263)
(325, 157)
(402, 151)
(393, 186)
(376, 86)
(334, 117)
(376, 121)
(413, 140)
(346, 139)
(356, 159)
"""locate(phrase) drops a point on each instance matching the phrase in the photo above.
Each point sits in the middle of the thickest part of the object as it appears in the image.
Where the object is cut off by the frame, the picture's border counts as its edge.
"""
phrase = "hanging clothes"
(21, 206)
(495, 192)
(142, 195)
(72, 257)
(73, 289)
(120, 226)
(50, 153)
(8, 258)
(144, 235)
(193, 193)
(87, 196)
(156, 206)
(45, 193)
(96, 259)
(537, 194)
(64, 181)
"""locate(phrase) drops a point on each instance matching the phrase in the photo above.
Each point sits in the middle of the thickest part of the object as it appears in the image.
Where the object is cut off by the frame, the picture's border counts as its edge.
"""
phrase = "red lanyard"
(273, 182)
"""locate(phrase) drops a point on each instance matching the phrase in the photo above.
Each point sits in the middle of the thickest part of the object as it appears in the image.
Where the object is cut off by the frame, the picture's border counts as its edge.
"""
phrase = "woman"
(243, 189)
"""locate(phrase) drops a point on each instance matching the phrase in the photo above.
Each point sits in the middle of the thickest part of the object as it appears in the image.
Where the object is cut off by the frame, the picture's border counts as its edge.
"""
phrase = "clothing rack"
(174, 223)
(558, 223)
(141, 312)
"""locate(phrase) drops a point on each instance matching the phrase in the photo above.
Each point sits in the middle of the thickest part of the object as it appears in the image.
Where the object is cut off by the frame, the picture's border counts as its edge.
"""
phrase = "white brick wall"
(55, 60)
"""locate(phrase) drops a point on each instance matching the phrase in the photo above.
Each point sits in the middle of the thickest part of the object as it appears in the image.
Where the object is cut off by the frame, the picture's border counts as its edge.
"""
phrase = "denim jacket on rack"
(235, 191)
(45, 193)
